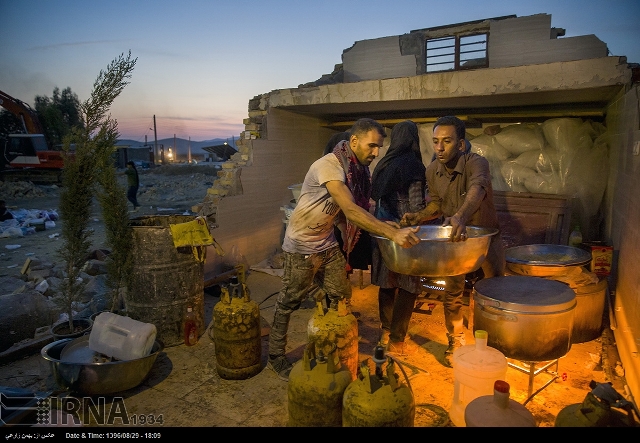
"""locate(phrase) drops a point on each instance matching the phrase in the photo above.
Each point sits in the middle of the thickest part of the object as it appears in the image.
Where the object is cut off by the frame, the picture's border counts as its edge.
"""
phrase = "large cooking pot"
(436, 255)
(527, 318)
(544, 260)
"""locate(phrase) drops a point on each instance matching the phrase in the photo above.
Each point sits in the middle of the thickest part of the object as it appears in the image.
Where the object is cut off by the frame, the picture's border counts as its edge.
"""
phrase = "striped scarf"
(359, 183)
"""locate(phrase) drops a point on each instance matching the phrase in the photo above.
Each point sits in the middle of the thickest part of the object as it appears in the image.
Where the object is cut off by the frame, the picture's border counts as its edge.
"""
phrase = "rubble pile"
(22, 190)
(28, 298)
(158, 187)
(30, 301)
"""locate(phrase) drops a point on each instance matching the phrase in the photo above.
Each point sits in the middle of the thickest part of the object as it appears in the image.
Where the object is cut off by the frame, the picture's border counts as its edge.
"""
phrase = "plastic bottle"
(498, 410)
(190, 328)
(476, 368)
(575, 238)
(121, 337)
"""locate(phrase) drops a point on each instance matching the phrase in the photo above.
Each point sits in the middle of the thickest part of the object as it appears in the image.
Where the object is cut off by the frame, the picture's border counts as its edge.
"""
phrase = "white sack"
(425, 133)
(515, 174)
(521, 138)
(488, 147)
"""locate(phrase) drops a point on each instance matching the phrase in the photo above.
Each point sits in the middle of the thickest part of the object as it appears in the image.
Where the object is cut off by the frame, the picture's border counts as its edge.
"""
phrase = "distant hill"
(181, 144)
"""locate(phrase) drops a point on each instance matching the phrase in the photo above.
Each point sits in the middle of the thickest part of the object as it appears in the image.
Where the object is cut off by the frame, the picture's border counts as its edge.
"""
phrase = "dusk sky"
(200, 62)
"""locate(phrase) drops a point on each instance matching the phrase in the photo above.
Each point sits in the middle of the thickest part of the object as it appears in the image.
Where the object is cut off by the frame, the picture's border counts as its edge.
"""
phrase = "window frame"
(457, 53)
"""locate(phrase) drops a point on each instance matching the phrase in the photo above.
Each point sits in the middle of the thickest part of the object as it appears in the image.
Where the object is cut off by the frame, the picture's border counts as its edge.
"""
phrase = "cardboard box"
(601, 258)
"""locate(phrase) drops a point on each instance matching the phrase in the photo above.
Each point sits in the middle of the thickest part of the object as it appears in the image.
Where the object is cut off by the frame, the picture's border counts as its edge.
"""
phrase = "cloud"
(73, 44)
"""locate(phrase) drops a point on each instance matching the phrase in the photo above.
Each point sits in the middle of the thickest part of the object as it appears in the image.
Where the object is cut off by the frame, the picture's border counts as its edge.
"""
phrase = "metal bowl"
(97, 378)
(545, 260)
(436, 255)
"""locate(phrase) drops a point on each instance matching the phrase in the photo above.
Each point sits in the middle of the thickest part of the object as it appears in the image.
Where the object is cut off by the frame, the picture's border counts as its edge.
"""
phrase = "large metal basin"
(436, 255)
(96, 378)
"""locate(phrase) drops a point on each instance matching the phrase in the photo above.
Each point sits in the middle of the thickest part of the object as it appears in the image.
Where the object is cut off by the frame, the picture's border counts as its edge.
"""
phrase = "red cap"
(501, 386)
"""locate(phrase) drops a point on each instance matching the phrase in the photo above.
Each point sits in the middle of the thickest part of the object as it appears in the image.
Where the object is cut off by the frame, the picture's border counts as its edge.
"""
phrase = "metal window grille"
(456, 53)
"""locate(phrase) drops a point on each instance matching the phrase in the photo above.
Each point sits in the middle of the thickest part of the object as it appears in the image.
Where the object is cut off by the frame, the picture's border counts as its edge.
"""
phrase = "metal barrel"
(166, 280)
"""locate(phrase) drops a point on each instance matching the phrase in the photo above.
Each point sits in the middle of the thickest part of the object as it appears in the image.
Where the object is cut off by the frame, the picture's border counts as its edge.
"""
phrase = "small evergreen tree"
(89, 165)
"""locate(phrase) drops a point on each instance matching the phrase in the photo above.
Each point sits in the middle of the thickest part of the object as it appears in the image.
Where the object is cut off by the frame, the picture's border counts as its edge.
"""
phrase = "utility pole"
(155, 145)
(189, 152)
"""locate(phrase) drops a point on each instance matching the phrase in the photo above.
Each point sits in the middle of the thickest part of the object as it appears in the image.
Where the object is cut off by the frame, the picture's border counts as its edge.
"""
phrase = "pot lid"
(524, 294)
(547, 255)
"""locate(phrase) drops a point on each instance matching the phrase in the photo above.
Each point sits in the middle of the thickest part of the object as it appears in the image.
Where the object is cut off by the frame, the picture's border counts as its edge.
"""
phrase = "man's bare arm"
(341, 194)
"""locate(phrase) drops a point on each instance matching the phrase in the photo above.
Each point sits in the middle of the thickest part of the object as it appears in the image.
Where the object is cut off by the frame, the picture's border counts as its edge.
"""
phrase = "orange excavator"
(27, 156)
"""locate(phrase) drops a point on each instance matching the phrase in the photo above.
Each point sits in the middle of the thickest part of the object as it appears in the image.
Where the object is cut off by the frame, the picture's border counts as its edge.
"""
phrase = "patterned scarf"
(359, 183)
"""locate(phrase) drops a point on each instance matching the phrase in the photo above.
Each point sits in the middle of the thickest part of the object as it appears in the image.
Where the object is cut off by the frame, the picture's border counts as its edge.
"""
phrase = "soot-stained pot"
(545, 260)
(527, 318)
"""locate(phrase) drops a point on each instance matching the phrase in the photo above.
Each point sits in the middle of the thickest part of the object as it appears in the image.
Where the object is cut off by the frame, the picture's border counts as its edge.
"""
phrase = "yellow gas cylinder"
(236, 333)
(329, 327)
(380, 399)
(315, 389)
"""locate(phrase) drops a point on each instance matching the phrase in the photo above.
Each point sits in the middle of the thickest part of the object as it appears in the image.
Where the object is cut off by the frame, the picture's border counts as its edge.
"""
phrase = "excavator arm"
(23, 111)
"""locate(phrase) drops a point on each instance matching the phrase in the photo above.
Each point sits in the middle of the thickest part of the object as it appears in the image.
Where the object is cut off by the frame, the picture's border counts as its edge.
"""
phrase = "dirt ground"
(184, 387)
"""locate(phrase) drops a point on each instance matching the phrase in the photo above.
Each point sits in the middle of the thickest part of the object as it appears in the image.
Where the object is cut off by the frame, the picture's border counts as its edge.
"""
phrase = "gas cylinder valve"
(379, 358)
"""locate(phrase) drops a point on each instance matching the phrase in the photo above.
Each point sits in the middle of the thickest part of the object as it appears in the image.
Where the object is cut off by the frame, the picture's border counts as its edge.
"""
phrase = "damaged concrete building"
(506, 73)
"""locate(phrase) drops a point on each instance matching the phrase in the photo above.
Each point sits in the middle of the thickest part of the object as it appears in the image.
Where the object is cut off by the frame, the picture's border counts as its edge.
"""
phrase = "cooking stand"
(532, 368)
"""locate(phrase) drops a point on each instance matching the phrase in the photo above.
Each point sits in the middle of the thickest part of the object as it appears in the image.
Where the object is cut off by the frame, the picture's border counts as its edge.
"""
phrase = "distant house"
(219, 153)
(125, 153)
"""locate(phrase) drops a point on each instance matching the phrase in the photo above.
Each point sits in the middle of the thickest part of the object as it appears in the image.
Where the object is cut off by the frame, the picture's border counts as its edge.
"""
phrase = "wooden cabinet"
(528, 218)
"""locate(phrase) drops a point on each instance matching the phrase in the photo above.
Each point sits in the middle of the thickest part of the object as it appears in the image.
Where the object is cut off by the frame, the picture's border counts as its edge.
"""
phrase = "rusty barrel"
(166, 280)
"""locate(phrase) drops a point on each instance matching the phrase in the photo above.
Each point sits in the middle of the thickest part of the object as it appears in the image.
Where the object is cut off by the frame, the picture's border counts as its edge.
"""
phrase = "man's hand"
(458, 228)
(410, 219)
(406, 237)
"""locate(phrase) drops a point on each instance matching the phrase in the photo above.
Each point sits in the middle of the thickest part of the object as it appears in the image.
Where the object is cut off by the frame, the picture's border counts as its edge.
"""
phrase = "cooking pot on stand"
(527, 318)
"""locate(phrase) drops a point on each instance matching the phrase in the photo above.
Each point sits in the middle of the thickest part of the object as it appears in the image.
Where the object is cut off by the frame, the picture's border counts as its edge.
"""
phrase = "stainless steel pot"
(527, 318)
(587, 324)
(545, 260)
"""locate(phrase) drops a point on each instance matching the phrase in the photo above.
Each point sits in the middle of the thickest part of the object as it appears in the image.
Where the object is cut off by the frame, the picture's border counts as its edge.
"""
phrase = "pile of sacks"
(562, 156)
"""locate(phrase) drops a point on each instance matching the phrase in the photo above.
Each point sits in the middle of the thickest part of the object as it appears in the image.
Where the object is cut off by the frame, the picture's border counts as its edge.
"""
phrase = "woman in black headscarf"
(398, 186)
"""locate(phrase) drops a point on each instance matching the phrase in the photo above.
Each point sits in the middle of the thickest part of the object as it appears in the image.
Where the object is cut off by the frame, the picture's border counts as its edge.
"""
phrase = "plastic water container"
(498, 410)
(476, 368)
(121, 337)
